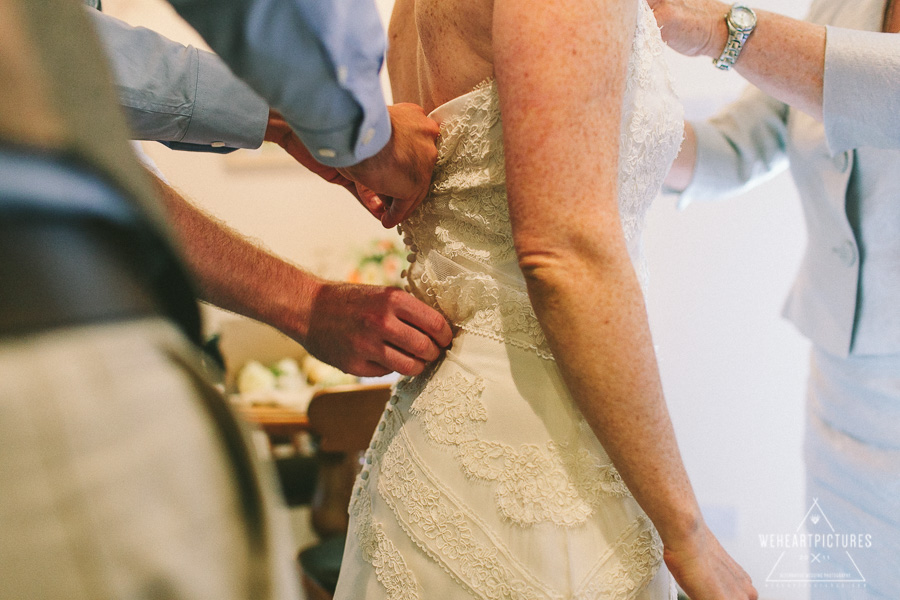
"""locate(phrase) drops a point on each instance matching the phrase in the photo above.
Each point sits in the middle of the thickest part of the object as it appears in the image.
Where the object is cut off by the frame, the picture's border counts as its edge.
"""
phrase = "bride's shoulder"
(439, 48)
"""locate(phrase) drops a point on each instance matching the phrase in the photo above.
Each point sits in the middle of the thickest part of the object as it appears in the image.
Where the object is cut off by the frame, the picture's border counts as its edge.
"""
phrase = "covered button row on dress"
(369, 457)
(411, 257)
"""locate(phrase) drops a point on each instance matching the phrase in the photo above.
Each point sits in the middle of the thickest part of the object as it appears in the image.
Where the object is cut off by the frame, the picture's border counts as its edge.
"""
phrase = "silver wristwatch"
(741, 21)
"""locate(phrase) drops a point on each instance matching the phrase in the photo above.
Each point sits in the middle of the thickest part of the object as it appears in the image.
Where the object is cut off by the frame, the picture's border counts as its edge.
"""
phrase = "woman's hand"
(705, 571)
(692, 27)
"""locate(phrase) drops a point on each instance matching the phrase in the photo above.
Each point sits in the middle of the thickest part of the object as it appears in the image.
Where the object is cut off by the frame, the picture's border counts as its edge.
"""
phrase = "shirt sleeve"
(742, 145)
(861, 98)
(176, 93)
(316, 61)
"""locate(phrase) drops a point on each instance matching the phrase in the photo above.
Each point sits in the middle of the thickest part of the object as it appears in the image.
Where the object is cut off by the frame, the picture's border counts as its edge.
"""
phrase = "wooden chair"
(342, 420)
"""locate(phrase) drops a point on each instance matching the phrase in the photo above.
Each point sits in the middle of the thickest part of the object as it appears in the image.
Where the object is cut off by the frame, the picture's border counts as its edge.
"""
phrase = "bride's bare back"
(439, 49)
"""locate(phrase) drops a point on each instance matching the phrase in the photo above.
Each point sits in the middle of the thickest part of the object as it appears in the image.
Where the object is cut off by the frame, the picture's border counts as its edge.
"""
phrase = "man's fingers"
(414, 205)
(371, 201)
(398, 210)
(413, 342)
(371, 369)
(398, 361)
(392, 215)
(425, 319)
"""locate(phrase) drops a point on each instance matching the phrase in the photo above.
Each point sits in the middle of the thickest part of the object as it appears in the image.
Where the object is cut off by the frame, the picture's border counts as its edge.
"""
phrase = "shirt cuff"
(352, 144)
(861, 95)
(226, 112)
(715, 161)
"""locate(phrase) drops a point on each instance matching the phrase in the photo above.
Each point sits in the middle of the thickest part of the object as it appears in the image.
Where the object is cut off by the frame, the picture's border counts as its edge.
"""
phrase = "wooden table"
(281, 424)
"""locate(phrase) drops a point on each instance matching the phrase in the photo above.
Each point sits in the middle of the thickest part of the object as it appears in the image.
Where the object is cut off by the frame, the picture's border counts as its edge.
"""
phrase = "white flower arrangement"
(286, 382)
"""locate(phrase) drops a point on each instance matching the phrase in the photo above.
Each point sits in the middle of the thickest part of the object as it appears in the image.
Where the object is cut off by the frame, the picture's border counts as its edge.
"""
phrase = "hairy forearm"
(597, 326)
(238, 274)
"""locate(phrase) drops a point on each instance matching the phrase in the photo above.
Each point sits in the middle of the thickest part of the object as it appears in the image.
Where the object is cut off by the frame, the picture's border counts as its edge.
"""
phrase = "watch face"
(742, 17)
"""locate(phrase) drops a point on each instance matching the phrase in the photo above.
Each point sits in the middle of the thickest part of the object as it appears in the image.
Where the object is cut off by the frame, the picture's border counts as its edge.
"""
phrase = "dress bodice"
(465, 262)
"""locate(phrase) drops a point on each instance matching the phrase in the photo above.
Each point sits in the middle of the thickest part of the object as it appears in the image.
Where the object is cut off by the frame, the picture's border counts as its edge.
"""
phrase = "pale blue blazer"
(846, 297)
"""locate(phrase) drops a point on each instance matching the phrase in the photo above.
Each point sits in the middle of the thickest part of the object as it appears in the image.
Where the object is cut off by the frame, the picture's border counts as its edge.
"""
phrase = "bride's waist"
(489, 300)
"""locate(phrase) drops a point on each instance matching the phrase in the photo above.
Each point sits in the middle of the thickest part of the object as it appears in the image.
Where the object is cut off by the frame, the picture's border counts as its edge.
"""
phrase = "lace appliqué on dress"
(378, 550)
(463, 546)
(449, 533)
(652, 132)
(551, 482)
(622, 574)
(375, 546)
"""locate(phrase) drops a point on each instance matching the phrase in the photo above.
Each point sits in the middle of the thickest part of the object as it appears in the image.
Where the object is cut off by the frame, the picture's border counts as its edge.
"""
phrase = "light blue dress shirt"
(177, 94)
(316, 61)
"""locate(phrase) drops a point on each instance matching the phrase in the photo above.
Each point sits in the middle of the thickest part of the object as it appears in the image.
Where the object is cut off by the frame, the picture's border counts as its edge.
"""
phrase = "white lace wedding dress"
(483, 480)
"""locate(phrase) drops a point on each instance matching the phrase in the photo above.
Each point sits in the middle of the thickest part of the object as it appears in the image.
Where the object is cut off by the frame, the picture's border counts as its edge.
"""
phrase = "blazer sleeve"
(742, 145)
(316, 61)
(861, 102)
(178, 94)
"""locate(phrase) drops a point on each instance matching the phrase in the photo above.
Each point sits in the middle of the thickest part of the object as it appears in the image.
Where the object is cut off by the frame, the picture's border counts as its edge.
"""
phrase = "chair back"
(342, 419)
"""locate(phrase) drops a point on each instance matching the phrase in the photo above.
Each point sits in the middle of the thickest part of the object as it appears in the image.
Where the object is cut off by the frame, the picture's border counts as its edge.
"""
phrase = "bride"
(537, 459)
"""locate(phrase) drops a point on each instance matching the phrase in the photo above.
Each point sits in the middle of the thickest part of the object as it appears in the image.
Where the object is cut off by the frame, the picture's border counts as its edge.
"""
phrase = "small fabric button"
(217, 144)
(368, 135)
(327, 152)
(342, 73)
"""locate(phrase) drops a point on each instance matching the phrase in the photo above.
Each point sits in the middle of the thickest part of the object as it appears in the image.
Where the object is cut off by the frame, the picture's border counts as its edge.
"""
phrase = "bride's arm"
(560, 68)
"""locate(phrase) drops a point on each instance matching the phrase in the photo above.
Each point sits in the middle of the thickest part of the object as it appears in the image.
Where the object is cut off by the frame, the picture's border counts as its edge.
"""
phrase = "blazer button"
(846, 253)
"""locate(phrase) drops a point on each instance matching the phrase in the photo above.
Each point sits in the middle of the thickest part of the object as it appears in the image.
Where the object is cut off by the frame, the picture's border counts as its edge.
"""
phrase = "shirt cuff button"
(327, 152)
(217, 144)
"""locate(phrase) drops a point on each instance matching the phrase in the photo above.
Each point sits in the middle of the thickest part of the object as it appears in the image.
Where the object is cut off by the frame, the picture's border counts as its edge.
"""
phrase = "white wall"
(733, 371)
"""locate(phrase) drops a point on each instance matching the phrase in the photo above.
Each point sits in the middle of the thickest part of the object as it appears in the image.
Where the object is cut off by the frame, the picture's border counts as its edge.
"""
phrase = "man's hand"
(401, 173)
(370, 331)
(279, 132)
(692, 27)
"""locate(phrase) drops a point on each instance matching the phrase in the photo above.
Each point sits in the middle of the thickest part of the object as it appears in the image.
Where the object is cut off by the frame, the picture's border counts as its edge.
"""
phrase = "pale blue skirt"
(852, 452)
